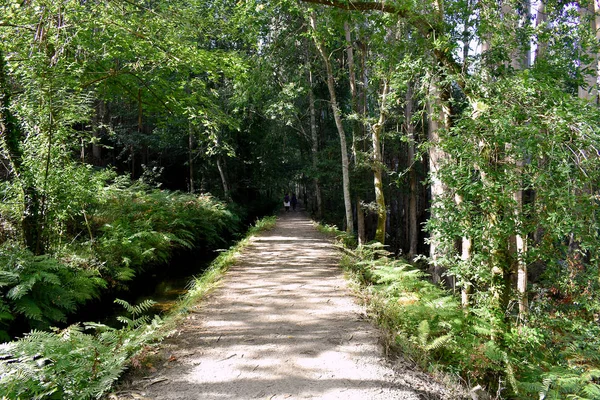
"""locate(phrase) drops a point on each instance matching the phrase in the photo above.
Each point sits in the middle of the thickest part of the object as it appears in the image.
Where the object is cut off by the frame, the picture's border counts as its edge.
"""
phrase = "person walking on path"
(294, 201)
(286, 202)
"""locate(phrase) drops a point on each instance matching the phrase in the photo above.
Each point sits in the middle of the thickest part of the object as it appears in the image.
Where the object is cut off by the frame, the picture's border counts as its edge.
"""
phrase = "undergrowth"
(83, 361)
(129, 229)
(78, 362)
(552, 356)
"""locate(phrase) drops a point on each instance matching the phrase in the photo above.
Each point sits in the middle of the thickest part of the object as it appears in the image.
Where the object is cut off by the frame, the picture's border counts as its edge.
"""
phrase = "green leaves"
(70, 364)
(137, 227)
(41, 288)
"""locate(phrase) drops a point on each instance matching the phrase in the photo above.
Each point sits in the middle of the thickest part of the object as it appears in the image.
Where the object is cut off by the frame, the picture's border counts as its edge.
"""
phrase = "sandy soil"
(282, 325)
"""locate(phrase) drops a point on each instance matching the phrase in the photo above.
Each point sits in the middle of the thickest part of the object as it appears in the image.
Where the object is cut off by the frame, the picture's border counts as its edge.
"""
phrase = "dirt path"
(282, 325)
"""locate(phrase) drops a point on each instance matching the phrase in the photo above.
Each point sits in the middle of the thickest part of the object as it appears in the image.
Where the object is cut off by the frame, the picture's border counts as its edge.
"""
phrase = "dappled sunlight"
(282, 325)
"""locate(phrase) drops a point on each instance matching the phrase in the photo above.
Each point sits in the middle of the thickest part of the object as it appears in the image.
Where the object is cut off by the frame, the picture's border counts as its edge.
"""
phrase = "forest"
(455, 143)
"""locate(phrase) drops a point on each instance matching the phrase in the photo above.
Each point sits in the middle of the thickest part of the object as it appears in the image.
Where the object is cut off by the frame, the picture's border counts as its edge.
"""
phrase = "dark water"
(163, 284)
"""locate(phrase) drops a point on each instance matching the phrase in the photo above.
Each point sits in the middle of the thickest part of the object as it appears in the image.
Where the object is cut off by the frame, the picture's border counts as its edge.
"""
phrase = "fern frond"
(138, 309)
(438, 343)
(591, 391)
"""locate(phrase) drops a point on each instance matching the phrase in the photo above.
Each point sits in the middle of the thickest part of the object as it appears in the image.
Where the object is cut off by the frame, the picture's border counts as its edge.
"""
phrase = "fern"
(423, 336)
(70, 364)
(41, 288)
(137, 317)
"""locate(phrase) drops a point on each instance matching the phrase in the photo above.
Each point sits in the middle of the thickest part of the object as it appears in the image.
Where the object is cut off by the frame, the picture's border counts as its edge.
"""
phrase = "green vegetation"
(73, 364)
(427, 325)
(128, 229)
(462, 134)
(83, 361)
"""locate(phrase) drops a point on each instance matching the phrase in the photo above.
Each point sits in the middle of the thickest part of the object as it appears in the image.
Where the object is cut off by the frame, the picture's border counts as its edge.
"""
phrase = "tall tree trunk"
(590, 89)
(96, 149)
(315, 144)
(520, 57)
(438, 117)
(191, 155)
(540, 19)
(518, 243)
(521, 250)
(340, 127)
(378, 166)
(223, 174)
(413, 228)
(360, 214)
(465, 256)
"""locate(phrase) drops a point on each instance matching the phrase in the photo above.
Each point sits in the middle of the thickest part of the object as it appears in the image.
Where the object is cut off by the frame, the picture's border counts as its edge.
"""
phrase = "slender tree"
(338, 122)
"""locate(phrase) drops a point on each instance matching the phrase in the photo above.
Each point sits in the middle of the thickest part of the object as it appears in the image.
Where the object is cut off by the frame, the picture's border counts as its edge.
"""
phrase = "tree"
(338, 122)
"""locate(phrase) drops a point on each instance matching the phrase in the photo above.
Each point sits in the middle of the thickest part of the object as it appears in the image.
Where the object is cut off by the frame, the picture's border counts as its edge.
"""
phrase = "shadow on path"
(282, 325)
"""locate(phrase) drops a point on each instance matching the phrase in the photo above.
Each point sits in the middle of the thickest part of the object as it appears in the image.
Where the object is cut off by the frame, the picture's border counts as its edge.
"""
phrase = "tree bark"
(465, 257)
(360, 215)
(191, 156)
(223, 175)
(521, 250)
(413, 228)
(518, 242)
(438, 118)
(541, 18)
(315, 144)
(590, 89)
(378, 167)
(340, 128)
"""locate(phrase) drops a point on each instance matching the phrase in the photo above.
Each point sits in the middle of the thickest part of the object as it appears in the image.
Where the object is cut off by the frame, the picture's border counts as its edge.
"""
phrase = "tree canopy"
(461, 134)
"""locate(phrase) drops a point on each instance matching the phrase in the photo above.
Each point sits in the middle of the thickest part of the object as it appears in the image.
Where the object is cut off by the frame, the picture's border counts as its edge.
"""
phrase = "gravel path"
(282, 325)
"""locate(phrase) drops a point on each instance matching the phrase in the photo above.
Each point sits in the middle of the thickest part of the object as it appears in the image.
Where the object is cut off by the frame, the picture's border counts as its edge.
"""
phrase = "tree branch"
(425, 27)
(362, 6)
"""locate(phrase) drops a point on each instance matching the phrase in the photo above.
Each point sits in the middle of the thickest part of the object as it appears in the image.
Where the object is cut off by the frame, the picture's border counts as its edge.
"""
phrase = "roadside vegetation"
(84, 360)
(121, 230)
(554, 359)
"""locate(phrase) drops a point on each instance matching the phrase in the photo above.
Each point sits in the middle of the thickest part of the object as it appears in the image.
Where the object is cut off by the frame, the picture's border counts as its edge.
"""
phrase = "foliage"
(136, 313)
(552, 358)
(72, 364)
(69, 363)
(129, 228)
(42, 289)
(138, 226)
(261, 225)
(345, 239)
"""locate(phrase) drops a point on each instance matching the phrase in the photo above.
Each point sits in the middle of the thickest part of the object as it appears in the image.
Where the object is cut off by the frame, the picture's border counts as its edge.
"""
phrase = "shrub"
(42, 289)
(70, 364)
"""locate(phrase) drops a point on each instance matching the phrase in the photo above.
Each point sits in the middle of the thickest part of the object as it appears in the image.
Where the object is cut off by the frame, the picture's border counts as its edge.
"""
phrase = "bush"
(70, 364)
(137, 227)
(552, 357)
(41, 289)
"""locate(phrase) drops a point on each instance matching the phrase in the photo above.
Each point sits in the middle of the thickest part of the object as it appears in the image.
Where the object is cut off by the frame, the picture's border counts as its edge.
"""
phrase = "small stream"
(164, 284)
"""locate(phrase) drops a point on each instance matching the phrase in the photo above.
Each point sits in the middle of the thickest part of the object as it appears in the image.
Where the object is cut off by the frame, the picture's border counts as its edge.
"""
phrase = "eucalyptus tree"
(335, 106)
(491, 113)
(590, 14)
